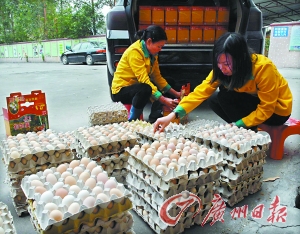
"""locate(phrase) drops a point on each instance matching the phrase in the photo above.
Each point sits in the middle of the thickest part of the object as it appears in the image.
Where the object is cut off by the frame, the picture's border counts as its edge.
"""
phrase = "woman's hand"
(171, 103)
(163, 122)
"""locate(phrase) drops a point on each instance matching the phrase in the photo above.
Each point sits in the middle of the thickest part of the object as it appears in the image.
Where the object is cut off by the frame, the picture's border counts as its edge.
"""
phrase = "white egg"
(83, 194)
(47, 197)
(74, 208)
(68, 200)
(58, 185)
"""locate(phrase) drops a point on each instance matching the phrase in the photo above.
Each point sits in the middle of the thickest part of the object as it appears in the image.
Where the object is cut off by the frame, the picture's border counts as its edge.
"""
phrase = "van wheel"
(89, 60)
(65, 60)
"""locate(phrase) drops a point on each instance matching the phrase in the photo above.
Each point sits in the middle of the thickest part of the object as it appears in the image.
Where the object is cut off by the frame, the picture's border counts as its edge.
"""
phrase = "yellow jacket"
(267, 83)
(138, 66)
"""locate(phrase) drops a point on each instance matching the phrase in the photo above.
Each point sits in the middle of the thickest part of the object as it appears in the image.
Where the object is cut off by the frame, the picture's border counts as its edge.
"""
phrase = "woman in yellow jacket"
(251, 89)
(138, 78)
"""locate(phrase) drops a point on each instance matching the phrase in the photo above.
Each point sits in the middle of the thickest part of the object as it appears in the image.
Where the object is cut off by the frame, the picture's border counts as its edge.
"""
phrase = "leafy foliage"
(31, 20)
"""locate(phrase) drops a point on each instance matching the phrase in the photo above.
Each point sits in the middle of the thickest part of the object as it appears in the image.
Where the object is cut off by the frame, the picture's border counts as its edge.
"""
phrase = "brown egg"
(174, 156)
(61, 192)
(40, 189)
(70, 180)
(154, 161)
(150, 151)
(56, 215)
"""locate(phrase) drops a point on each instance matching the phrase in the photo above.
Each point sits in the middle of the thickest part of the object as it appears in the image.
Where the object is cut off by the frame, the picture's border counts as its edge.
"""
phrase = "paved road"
(71, 89)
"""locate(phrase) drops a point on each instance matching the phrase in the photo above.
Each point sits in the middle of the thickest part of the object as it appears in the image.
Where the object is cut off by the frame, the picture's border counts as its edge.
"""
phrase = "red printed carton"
(25, 113)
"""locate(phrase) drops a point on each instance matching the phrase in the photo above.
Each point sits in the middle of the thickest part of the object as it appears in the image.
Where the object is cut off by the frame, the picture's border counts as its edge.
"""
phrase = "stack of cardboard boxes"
(187, 24)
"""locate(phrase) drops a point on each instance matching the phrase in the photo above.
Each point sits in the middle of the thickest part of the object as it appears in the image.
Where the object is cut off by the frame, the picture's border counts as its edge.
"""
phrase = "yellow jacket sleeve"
(195, 98)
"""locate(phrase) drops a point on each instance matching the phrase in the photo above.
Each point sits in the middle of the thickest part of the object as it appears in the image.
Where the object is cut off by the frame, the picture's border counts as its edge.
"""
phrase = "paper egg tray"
(121, 223)
(234, 177)
(6, 220)
(99, 208)
(167, 181)
(235, 194)
(109, 113)
(150, 216)
(24, 152)
(237, 140)
(101, 140)
(153, 198)
(196, 185)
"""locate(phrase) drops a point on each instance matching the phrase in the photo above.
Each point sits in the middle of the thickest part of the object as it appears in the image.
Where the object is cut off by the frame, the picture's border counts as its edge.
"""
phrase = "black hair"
(235, 45)
(155, 32)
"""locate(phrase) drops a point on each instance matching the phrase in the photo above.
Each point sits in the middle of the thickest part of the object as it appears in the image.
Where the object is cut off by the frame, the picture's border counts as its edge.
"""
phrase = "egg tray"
(108, 113)
(262, 140)
(233, 196)
(35, 159)
(6, 219)
(233, 177)
(69, 222)
(21, 210)
(179, 184)
(98, 148)
(157, 196)
(165, 181)
(100, 209)
(122, 222)
(18, 196)
(155, 201)
(16, 178)
(243, 162)
(152, 218)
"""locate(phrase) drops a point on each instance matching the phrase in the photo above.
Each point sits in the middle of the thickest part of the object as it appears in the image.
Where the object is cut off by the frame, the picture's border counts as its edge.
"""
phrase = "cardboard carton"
(25, 113)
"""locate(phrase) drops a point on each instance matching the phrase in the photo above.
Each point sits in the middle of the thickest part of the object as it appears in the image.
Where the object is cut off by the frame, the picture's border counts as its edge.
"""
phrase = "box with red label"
(223, 16)
(171, 32)
(197, 15)
(196, 34)
(184, 15)
(210, 15)
(183, 34)
(171, 16)
(25, 113)
(145, 15)
(158, 15)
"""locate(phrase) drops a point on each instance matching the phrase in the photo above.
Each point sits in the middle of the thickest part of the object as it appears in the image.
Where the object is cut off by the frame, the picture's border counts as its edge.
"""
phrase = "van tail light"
(120, 50)
(116, 63)
(101, 51)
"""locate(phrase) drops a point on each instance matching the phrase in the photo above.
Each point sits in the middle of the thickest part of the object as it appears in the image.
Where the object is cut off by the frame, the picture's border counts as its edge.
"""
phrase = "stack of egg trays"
(99, 144)
(109, 153)
(242, 173)
(6, 220)
(150, 192)
(238, 180)
(32, 161)
(122, 221)
(96, 217)
(107, 113)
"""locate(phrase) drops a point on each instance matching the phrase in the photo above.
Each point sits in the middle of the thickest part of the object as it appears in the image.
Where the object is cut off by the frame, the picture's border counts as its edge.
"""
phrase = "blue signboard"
(281, 31)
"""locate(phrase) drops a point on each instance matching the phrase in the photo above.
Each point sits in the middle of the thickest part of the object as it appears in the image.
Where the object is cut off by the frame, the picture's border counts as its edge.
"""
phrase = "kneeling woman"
(138, 78)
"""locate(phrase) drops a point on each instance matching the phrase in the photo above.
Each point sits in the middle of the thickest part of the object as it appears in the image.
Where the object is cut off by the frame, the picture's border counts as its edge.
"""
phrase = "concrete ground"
(71, 89)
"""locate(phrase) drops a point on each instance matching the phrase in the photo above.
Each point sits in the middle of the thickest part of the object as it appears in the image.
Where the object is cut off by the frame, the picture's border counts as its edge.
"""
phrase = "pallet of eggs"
(244, 153)
(168, 167)
(105, 144)
(6, 220)
(107, 113)
(26, 154)
(77, 197)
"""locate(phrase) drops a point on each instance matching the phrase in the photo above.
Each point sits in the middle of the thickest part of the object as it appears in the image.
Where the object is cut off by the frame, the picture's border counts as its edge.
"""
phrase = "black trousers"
(137, 95)
(232, 106)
